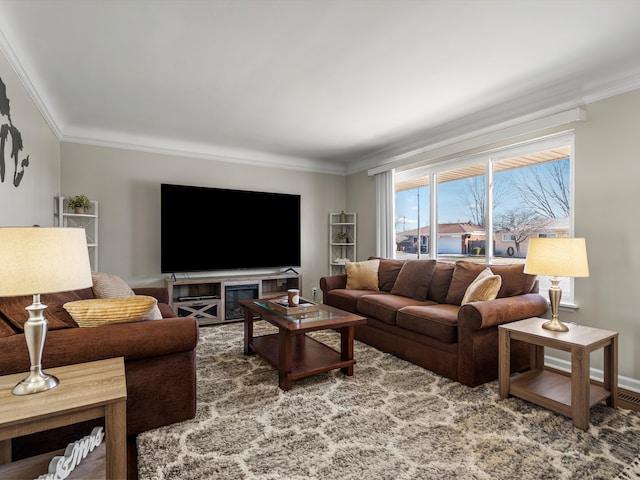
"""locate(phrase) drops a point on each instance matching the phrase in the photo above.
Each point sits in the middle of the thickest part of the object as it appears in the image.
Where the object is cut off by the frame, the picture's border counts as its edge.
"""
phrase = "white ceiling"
(324, 85)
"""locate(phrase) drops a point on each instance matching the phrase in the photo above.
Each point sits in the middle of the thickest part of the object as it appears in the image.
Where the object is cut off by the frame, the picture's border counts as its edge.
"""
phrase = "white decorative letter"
(61, 467)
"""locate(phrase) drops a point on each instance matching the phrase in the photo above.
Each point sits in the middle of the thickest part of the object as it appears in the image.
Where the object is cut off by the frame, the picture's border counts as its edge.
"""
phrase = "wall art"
(10, 134)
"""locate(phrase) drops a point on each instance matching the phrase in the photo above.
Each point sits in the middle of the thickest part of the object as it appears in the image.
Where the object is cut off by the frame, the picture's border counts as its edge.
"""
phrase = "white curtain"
(385, 214)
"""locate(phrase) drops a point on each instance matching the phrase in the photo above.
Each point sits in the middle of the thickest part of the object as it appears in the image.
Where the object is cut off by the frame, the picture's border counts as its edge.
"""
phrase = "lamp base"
(555, 325)
(35, 332)
(555, 294)
(37, 381)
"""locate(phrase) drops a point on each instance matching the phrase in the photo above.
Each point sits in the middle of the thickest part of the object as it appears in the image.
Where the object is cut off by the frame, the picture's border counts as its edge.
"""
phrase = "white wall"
(607, 214)
(127, 186)
(31, 203)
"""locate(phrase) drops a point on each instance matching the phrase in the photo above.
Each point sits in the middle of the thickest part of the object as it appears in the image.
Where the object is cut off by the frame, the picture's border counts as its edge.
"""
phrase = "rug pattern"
(390, 420)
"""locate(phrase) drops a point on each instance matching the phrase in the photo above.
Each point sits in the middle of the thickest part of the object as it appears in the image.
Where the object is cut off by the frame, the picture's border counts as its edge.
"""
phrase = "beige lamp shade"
(35, 260)
(560, 257)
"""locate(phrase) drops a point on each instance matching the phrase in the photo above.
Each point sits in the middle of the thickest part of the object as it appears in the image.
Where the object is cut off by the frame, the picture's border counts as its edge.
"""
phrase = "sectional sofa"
(424, 311)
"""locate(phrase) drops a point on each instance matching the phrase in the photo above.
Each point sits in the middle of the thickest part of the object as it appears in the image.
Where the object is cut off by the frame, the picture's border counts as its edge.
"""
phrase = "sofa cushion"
(514, 280)
(436, 321)
(484, 287)
(384, 306)
(440, 282)
(107, 311)
(345, 299)
(414, 279)
(388, 273)
(464, 273)
(362, 275)
(13, 309)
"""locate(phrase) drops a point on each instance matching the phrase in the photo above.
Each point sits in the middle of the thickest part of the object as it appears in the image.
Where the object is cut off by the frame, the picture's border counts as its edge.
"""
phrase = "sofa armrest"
(478, 335)
(332, 282)
(159, 293)
(138, 340)
(477, 315)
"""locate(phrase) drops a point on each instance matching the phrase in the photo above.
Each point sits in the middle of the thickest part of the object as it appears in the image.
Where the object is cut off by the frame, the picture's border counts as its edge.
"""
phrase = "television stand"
(206, 297)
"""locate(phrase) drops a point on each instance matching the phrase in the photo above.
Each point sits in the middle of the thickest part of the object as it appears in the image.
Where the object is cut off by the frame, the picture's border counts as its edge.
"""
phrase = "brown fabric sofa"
(416, 315)
(159, 357)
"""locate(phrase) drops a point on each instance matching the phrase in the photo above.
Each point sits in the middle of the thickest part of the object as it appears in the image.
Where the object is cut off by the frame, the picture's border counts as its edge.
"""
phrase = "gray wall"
(607, 154)
(127, 186)
(31, 203)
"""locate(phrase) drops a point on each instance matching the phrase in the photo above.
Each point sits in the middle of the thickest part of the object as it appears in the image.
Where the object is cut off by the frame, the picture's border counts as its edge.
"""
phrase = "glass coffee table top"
(322, 314)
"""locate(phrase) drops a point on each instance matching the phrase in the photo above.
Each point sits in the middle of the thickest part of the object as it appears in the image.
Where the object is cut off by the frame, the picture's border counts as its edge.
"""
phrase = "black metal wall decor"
(8, 131)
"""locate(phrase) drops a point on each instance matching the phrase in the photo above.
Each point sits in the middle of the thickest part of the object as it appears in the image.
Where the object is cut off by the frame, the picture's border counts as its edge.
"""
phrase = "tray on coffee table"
(281, 304)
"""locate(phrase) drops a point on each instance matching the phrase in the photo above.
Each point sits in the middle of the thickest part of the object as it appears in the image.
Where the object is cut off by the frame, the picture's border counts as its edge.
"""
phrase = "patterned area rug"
(390, 420)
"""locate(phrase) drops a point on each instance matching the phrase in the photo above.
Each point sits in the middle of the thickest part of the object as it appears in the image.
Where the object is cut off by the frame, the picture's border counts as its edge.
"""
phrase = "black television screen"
(208, 229)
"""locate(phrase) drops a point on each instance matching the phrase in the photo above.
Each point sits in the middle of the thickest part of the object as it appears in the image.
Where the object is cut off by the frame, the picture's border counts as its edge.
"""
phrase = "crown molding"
(178, 148)
(14, 62)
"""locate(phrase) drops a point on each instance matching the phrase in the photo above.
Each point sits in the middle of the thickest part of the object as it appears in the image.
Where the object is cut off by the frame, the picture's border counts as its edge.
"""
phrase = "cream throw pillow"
(107, 311)
(362, 275)
(107, 285)
(484, 287)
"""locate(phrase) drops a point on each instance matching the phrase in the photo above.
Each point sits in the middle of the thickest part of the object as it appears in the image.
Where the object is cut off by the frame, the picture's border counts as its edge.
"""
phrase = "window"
(486, 207)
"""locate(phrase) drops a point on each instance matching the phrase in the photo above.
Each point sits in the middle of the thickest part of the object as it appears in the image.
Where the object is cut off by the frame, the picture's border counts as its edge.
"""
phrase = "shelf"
(551, 390)
(62, 217)
(78, 215)
(218, 308)
(309, 356)
(93, 466)
(341, 250)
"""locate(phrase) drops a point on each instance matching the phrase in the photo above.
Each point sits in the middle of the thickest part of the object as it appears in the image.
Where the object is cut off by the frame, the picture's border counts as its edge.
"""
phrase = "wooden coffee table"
(294, 354)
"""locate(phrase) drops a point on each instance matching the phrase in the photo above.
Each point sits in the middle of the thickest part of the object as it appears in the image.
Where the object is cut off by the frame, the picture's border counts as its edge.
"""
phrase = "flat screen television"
(209, 229)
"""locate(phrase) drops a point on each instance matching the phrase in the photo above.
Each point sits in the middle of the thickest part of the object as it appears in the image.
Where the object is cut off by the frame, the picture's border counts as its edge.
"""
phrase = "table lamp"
(557, 257)
(33, 261)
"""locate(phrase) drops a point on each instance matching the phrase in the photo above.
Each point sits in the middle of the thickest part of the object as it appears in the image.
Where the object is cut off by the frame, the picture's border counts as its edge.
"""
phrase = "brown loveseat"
(416, 315)
(159, 357)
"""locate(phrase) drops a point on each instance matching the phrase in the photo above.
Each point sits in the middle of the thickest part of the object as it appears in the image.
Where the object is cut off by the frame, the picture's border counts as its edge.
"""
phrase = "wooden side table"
(570, 396)
(86, 391)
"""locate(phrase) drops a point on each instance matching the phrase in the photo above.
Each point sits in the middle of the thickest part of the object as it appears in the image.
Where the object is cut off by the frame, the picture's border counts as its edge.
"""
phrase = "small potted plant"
(79, 203)
(341, 237)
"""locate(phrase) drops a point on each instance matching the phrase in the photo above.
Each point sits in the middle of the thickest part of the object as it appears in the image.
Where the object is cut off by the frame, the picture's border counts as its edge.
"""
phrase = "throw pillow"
(106, 285)
(388, 273)
(106, 311)
(440, 281)
(484, 287)
(414, 279)
(514, 280)
(464, 273)
(362, 275)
